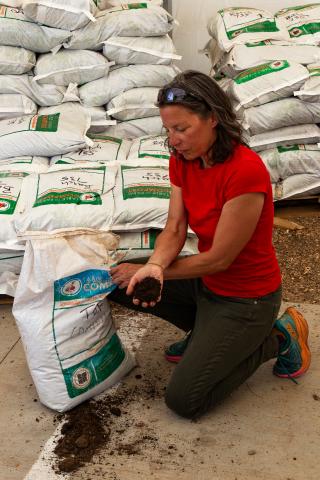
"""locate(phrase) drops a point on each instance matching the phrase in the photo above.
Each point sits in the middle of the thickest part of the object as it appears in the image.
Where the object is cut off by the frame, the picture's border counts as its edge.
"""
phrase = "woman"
(228, 296)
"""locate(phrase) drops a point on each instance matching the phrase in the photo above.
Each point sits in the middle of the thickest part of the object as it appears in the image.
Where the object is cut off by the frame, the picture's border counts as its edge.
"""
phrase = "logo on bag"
(87, 197)
(81, 378)
(71, 288)
(4, 206)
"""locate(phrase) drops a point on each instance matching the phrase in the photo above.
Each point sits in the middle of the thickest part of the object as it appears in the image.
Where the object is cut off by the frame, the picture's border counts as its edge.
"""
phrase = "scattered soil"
(82, 435)
(105, 426)
(298, 253)
(148, 290)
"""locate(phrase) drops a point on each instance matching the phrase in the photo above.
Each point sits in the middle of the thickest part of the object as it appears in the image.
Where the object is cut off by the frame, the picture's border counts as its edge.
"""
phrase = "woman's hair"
(204, 97)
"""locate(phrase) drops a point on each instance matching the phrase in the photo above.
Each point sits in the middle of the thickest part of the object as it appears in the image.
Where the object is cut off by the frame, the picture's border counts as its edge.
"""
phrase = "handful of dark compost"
(148, 290)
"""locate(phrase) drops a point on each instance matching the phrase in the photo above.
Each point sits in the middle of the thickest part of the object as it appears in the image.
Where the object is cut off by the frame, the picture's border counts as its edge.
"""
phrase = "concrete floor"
(268, 429)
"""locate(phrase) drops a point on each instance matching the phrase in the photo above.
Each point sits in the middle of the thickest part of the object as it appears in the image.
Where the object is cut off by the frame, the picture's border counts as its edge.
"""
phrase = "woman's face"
(190, 134)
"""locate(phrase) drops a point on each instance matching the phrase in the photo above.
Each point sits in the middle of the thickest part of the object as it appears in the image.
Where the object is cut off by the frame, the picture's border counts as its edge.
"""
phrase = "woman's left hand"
(122, 274)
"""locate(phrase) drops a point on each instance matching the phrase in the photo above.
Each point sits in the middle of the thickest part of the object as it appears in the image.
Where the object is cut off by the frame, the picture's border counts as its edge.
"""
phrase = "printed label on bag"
(13, 14)
(139, 241)
(298, 147)
(154, 147)
(140, 182)
(314, 70)
(261, 70)
(246, 20)
(90, 285)
(301, 20)
(82, 187)
(89, 373)
(38, 123)
(129, 6)
(88, 348)
(45, 123)
(10, 186)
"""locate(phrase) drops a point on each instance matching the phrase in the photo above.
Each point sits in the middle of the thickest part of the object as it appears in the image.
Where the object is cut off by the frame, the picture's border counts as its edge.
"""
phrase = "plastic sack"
(70, 14)
(11, 201)
(268, 82)
(44, 95)
(120, 79)
(308, 133)
(131, 20)
(11, 261)
(135, 245)
(141, 196)
(66, 67)
(134, 103)
(16, 105)
(250, 55)
(140, 50)
(284, 161)
(16, 60)
(43, 135)
(136, 128)
(73, 197)
(236, 25)
(61, 301)
(282, 113)
(150, 148)
(18, 31)
(297, 186)
(310, 90)
(99, 119)
(302, 23)
(105, 149)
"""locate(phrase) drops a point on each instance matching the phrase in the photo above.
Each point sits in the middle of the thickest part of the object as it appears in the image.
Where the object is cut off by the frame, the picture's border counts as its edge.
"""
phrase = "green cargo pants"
(230, 339)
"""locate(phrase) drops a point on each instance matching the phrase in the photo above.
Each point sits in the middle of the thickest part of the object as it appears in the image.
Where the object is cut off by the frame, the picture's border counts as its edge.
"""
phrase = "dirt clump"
(82, 435)
(103, 425)
(148, 290)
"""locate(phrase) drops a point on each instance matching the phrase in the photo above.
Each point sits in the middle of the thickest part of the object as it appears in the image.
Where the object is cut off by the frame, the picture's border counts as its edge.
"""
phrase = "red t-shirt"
(255, 272)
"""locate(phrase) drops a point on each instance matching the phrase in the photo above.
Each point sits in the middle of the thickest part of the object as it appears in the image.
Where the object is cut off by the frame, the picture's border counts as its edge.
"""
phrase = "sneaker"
(294, 355)
(175, 351)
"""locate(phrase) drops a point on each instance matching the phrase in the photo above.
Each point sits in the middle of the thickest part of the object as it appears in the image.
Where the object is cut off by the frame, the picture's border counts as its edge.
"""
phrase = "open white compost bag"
(71, 345)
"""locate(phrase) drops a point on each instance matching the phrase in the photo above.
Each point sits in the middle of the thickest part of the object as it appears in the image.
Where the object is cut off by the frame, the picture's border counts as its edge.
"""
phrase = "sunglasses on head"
(175, 95)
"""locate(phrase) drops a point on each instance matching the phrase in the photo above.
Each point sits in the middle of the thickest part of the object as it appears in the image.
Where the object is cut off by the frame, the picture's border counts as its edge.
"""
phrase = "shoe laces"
(287, 371)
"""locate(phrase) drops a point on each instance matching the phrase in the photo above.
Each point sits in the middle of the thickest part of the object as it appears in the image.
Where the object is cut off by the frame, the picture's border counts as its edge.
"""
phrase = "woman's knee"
(179, 401)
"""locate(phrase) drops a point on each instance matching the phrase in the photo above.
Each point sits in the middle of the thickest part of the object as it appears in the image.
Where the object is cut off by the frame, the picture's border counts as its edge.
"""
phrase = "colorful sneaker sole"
(303, 332)
(173, 358)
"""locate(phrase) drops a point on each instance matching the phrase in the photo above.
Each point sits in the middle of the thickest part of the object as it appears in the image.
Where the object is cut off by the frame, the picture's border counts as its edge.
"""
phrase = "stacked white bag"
(264, 60)
(135, 37)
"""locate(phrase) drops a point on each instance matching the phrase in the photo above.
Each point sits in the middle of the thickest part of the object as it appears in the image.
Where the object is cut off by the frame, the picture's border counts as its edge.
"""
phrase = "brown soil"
(148, 290)
(82, 434)
(104, 424)
(298, 253)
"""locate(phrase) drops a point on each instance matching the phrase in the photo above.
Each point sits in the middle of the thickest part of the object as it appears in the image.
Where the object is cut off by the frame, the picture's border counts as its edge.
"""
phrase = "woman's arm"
(237, 223)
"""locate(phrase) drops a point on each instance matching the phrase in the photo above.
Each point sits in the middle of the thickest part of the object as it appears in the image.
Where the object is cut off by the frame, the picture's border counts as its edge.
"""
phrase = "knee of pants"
(179, 402)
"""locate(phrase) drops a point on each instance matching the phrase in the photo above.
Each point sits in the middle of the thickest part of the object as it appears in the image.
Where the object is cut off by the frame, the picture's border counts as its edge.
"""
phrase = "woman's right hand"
(148, 270)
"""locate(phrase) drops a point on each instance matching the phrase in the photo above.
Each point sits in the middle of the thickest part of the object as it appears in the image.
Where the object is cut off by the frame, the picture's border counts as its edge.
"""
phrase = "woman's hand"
(147, 270)
(122, 274)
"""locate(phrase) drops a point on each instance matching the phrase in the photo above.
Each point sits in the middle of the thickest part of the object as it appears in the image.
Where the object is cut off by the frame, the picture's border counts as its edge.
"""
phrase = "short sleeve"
(250, 176)
(175, 171)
